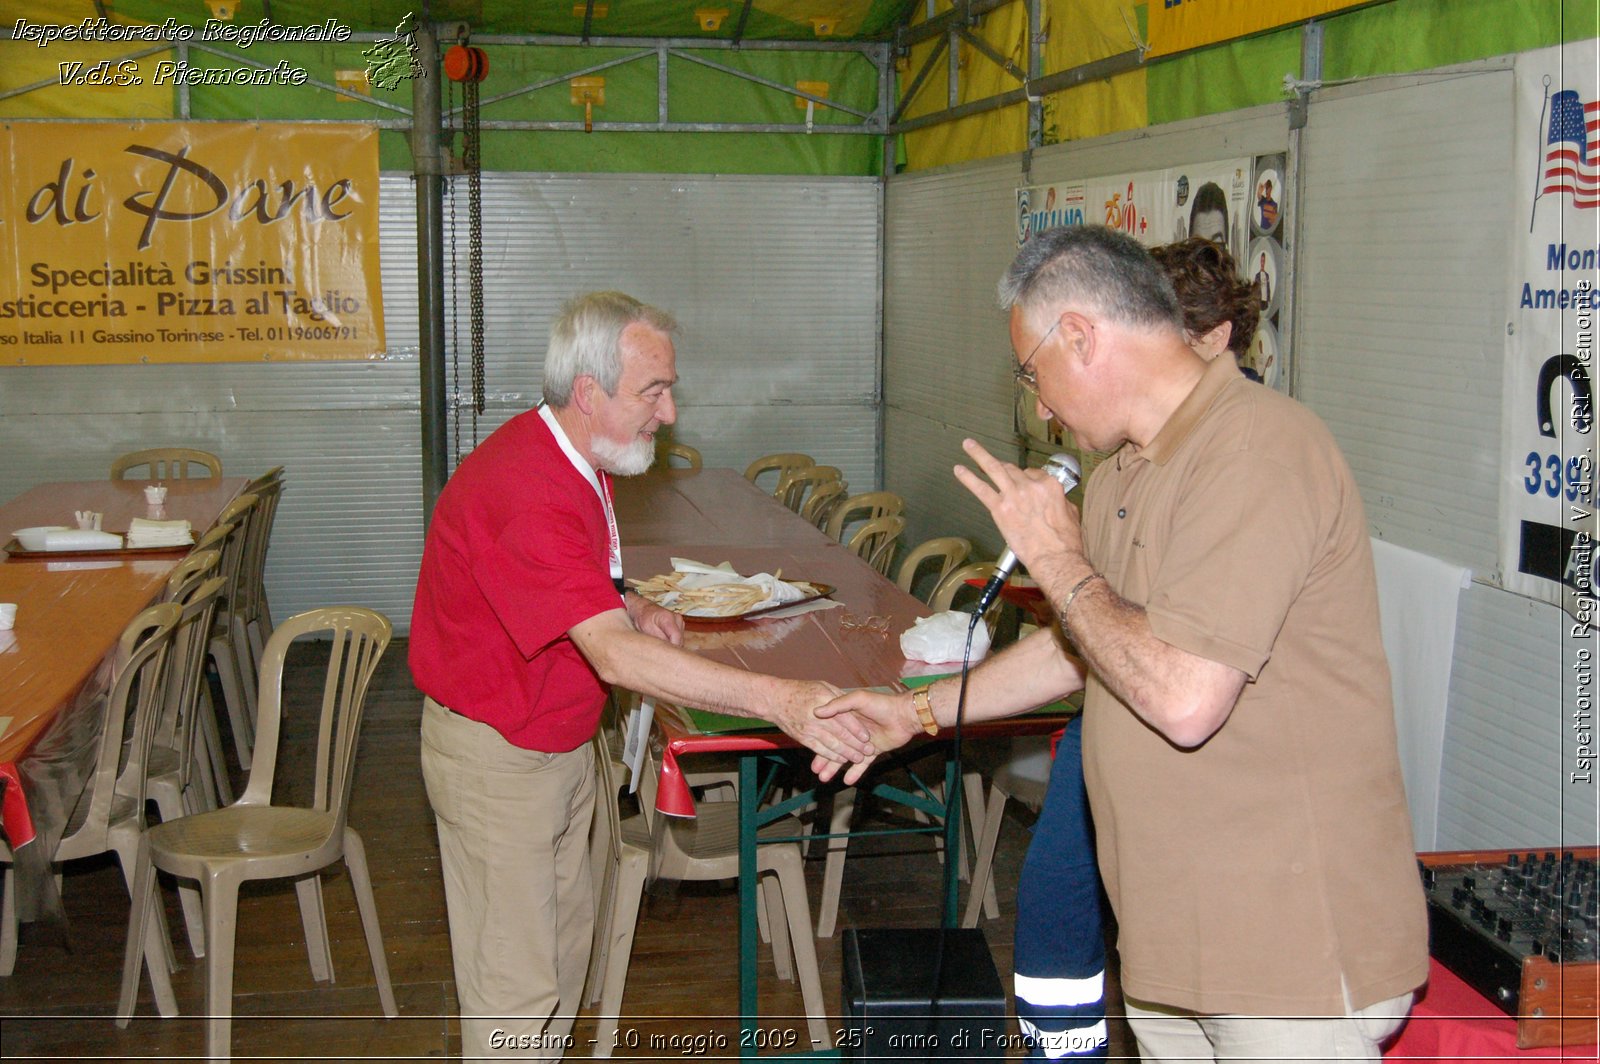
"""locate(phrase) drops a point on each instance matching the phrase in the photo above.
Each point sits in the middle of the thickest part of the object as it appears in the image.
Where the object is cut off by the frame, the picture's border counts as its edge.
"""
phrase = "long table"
(71, 611)
(714, 516)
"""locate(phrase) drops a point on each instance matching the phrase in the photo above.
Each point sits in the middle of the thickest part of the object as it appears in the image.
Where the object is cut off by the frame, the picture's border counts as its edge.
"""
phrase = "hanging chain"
(455, 280)
(474, 163)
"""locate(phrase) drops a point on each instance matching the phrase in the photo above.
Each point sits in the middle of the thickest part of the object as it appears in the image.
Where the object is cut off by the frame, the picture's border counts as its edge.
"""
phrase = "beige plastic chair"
(705, 848)
(166, 463)
(254, 839)
(109, 818)
(253, 617)
(235, 669)
(177, 774)
(948, 551)
(213, 540)
(1025, 776)
(867, 506)
(875, 542)
(824, 498)
(680, 452)
(844, 805)
(781, 463)
(955, 585)
(794, 485)
(608, 743)
(183, 729)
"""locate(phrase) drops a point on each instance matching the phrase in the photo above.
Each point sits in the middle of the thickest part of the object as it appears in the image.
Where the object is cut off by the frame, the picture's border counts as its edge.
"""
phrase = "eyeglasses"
(1025, 376)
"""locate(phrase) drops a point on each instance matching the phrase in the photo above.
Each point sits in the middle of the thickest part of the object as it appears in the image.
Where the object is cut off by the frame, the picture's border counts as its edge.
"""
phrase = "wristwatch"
(922, 702)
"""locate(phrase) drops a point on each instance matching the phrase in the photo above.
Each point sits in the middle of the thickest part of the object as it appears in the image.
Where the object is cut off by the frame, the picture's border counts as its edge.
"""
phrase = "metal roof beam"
(1101, 68)
(963, 14)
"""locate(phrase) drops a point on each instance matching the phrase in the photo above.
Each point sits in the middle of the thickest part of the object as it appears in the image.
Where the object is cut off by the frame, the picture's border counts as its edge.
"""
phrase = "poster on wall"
(1266, 266)
(132, 242)
(1547, 527)
(1216, 200)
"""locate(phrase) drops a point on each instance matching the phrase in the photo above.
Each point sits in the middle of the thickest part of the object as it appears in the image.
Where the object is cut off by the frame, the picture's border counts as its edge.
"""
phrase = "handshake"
(846, 730)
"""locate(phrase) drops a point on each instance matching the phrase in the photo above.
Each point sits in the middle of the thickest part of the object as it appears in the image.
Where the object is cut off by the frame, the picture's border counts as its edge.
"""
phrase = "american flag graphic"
(1572, 150)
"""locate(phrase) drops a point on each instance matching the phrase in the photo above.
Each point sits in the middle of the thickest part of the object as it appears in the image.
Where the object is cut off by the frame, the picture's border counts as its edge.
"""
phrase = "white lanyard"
(601, 489)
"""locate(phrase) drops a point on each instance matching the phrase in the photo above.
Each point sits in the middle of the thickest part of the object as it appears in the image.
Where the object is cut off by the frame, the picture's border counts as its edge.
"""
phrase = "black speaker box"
(889, 996)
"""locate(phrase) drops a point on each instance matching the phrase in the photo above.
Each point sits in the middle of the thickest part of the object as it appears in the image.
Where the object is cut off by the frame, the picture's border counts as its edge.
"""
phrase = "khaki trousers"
(514, 850)
(1169, 1034)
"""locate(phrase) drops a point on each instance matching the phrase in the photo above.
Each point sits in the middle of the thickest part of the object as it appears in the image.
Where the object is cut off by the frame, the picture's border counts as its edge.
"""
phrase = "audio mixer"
(1519, 926)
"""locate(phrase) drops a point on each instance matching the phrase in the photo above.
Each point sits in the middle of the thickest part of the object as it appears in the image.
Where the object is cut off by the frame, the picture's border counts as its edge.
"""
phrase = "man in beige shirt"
(1221, 608)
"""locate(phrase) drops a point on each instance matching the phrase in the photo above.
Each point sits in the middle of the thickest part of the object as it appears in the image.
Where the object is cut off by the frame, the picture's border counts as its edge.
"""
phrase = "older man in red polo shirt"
(520, 625)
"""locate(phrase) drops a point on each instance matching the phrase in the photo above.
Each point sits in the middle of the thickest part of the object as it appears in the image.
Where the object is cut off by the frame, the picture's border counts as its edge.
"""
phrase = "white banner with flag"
(1547, 513)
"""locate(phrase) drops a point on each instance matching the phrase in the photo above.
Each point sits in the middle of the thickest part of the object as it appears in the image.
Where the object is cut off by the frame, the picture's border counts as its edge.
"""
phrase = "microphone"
(1065, 468)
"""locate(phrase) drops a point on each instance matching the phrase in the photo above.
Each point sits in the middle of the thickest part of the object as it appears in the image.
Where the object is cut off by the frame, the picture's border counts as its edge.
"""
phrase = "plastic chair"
(705, 848)
(794, 485)
(955, 584)
(235, 669)
(213, 540)
(875, 542)
(254, 839)
(105, 818)
(949, 551)
(780, 463)
(110, 815)
(867, 506)
(166, 463)
(1025, 776)
(608, 743)
(844, 805)
(823, 500)
(254, 613)
(177, 776)
(683, 453)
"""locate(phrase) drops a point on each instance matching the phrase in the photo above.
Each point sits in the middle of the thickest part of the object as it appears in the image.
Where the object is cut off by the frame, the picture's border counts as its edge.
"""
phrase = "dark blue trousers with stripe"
(1060, 949)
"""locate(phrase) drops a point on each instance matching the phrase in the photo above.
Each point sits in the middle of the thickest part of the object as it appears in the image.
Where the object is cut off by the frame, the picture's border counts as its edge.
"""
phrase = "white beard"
(623, 459)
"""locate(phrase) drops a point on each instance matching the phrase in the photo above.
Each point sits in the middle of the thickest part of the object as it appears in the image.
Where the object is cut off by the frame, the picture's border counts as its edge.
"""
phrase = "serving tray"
(813, 589)
(16, 550)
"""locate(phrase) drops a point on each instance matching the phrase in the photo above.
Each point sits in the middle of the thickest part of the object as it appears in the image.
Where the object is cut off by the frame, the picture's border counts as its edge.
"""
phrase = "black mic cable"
(952, 837)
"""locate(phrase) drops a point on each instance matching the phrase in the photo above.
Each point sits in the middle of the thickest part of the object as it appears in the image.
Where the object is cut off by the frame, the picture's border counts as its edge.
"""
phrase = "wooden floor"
(682, 986)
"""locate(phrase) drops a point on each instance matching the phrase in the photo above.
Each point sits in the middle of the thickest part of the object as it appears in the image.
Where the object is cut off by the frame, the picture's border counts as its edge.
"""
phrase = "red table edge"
(673, 797)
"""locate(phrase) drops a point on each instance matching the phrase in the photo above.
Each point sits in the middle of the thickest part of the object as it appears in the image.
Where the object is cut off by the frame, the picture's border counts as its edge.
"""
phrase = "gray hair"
(586, 339)
(1093, 267)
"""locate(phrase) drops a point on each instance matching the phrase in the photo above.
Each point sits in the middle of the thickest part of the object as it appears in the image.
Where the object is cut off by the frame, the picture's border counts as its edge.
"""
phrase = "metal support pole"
(1035, 72)
(428, 170)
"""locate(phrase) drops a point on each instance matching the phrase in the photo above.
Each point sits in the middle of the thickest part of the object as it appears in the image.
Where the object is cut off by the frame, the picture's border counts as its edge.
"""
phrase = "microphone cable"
(952, 854)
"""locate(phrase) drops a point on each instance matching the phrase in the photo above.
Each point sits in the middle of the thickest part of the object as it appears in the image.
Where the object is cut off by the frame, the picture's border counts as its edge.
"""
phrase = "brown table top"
(71, 612)
(667, 506)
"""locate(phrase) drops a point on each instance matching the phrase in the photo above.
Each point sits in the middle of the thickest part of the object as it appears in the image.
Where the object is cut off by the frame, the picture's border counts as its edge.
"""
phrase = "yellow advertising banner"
(130, 242)
(1178, 25)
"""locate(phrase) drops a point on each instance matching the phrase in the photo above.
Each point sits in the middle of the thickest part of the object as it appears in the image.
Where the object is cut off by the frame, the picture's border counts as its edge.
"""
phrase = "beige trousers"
(1169, 1034)
(514, 850)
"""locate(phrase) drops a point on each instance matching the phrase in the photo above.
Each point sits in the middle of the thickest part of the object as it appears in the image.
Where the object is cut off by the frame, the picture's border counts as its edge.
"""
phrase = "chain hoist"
(468, 65)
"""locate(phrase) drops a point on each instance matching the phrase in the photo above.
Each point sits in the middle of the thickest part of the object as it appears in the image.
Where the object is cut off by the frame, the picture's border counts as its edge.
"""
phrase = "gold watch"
(922, 702)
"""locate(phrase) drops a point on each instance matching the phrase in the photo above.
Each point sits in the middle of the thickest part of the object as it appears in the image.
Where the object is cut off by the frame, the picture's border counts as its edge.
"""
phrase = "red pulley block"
(465, 63)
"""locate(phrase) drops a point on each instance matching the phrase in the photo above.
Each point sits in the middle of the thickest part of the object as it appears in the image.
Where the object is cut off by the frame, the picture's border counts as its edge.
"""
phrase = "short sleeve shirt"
(1251, 873)
(518, 553)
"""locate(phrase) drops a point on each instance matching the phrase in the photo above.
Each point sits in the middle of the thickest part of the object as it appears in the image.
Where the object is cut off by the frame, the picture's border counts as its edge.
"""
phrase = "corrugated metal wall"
(1404, 317)
(1401, 295)
(776, 282)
